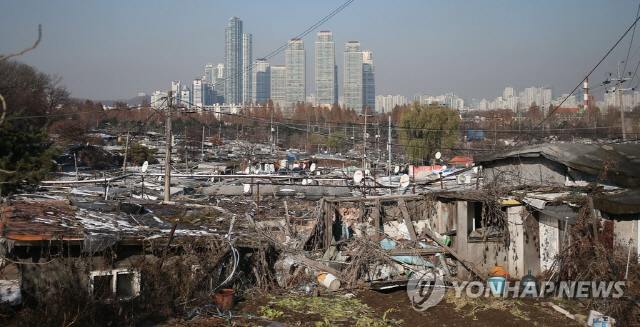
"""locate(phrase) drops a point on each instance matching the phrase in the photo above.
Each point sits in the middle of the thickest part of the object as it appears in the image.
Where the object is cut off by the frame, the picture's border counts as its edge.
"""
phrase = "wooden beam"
(376, 219)
(407, 220)
(415, 251)
(455, 254)
(317, 265)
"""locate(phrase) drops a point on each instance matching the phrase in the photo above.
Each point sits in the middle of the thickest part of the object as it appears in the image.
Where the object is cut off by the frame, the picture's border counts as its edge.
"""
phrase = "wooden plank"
(415, 251)
(594, 219)
(376, 219)
(385, 198)
(455, 254)
(317, 265)
(407, 220)
(286, 219)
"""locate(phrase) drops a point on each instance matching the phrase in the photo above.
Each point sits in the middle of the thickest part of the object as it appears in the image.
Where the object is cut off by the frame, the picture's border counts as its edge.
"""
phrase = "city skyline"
(115, 50)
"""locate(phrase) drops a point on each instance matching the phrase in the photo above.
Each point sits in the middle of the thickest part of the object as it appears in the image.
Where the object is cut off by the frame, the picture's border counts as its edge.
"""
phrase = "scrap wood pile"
(379, 243)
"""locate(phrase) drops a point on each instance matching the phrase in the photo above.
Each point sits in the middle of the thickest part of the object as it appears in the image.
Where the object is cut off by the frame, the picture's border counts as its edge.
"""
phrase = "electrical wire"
(577, 86)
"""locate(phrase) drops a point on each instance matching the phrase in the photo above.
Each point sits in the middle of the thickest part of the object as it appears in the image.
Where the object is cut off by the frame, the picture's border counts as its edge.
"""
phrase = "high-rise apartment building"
(218, 82)
(175, 91)
(295, 63)
(197, 94)
(326, 71)
(246, 68)
(278, 86)
(208, 73)
(368, 81)
(185, 95)
(261, 81)
(237, 59)
(353, 88)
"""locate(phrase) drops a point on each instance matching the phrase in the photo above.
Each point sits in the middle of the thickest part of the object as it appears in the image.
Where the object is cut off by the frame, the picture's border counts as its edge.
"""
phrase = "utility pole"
(126, 149)
(364, 141)
(389, 148)
(619, 91)
(167, 156)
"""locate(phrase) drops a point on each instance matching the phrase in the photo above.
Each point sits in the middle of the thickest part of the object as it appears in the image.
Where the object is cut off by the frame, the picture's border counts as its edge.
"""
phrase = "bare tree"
(7, 56)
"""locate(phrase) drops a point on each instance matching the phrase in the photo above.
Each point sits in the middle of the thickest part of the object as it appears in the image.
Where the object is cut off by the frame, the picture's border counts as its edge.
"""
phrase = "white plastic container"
(329, 281)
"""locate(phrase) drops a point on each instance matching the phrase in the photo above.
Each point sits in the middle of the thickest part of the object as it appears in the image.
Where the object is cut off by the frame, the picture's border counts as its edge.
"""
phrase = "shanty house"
(558, 174)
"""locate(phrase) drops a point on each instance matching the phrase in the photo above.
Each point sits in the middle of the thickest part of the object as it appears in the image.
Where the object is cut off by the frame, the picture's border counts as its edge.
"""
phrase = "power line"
(577, 86)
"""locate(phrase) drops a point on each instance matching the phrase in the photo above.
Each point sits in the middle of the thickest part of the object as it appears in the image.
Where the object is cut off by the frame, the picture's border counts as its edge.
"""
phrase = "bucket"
(496, 284)
(225, 298)
(329, 281)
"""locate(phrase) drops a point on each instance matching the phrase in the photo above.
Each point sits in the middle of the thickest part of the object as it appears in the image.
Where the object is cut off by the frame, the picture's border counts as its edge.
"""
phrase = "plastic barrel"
(497, 285)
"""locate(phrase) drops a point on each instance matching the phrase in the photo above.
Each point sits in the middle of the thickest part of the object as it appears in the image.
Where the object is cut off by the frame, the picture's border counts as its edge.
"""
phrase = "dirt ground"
(392, 308)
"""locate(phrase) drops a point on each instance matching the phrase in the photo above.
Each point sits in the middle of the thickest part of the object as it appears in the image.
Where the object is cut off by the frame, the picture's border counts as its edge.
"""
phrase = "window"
(123, 284)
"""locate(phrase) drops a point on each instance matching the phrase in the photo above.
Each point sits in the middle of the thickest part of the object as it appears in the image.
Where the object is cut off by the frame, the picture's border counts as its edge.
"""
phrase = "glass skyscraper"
(261, 81)
(237, 59)
(353, 89)
(326, 70)
(246, 68)
(295, 63)
(368, 81)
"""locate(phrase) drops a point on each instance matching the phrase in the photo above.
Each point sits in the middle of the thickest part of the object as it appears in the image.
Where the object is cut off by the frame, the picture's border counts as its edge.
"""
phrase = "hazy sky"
(115, 49)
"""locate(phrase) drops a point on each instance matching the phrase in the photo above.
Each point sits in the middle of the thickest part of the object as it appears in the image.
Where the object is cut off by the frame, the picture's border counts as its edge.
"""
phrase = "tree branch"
(4, 57)
(4, 108)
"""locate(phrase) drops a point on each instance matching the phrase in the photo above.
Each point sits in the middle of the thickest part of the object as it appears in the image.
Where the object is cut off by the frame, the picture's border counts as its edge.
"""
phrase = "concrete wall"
(524, 171)
(521, 255)
(481, 255)
(623, 231)
(445, 218)
(549, 241)
(524, 245)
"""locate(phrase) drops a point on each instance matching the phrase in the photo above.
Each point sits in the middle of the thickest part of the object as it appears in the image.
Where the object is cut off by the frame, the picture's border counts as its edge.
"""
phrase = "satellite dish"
(304, 181)
(313, 167)
(145, 165)
(444, 167)
(246, 171)
(367, 172)
(397, 169)
(317, 173)
(475, 169)
(304, 165)
(438, 155)
(404, 180)
(357, 176)
(247, 188)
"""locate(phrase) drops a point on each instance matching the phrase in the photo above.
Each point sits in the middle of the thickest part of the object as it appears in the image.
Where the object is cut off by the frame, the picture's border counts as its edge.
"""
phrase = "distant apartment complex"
(295, 68)
(240, 81)
(326, 71)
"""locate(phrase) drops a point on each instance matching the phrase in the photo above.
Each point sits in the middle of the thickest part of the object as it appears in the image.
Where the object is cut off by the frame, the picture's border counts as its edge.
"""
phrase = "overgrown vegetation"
(327, 311)
(192, 271)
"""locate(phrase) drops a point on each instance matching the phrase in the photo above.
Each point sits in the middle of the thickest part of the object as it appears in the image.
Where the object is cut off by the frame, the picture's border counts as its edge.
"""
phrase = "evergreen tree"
(25, 152)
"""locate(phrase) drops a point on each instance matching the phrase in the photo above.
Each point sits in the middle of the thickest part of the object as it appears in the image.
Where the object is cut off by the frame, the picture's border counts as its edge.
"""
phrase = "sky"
(109, 50)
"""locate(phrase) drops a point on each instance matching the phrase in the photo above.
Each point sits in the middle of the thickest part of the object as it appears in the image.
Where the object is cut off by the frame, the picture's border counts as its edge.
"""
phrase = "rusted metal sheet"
(42, 220)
